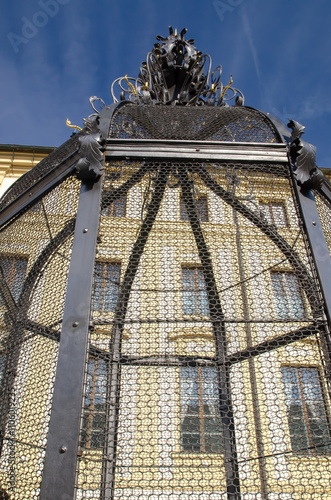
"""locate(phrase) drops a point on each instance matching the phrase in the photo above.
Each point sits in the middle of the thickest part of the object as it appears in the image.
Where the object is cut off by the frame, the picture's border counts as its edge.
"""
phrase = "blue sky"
(279, 52)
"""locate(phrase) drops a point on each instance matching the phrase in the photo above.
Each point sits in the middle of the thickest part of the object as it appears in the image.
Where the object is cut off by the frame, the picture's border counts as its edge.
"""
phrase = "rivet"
(85, 230)
(314, 223)
(75, 323)
(63, 449)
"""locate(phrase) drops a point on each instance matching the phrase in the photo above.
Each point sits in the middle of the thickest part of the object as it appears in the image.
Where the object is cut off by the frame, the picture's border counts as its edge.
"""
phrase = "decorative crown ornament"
(176, 73)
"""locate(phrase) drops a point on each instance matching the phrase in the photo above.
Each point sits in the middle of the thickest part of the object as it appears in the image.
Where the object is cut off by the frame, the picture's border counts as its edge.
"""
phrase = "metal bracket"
(88, 166)
(303, 159)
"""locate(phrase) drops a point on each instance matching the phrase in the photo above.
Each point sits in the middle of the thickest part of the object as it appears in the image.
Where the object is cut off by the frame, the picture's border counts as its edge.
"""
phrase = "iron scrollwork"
(175, 72)
(89, 167)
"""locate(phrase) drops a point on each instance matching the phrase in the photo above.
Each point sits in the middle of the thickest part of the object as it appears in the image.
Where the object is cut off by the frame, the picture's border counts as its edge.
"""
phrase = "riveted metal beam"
(197, 150)
(318, 246)
(62, 443)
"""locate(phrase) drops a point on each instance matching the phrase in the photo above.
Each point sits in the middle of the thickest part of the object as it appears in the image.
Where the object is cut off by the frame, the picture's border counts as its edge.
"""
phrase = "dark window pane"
(201, 205)
(274, 213)
(202, 294)
(201, 429)
(287, 296)
(189, 294)
(183, 212)
(191, 442)
(213, 443)
(106, 286)
(119, 207)
(191, 424)
(94, 416)
(194, 293)
(202, 208)
(307, 418)
(115, 209)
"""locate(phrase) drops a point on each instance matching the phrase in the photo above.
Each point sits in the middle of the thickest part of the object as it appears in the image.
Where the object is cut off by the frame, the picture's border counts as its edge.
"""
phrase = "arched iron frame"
(61, 453)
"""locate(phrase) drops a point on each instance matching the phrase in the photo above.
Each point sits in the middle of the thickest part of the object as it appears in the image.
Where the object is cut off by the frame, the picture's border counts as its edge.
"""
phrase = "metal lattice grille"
(34, 261)
(198, 124)
(206, 375)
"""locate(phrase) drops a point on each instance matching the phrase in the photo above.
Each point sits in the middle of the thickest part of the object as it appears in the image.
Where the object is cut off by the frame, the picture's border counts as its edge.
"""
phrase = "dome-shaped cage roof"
(233, 124)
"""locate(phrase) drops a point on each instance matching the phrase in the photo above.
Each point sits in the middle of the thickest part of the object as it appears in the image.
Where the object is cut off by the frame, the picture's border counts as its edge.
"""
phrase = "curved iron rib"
(217, 320)
(270, 231)
(115, 348)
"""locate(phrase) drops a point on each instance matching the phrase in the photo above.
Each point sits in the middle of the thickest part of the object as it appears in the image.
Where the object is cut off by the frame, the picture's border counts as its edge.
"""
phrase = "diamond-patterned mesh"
(198, 123)
(34, 262)
(207, 368)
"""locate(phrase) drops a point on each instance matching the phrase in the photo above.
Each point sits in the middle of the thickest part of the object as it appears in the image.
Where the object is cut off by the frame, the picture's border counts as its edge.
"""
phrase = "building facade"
(165, 302)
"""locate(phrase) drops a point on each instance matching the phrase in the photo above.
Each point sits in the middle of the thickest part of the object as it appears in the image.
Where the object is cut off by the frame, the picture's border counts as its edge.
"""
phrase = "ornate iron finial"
(175, 72)
(303, 158)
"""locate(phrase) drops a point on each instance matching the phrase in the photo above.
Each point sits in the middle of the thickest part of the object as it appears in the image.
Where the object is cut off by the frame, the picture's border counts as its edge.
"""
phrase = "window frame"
(116, 209)
(199, 308)
(87, 438)
(311, 449)
(269, 205)
(286, 298)
(184, 215)
(100, 297)
(201, 414)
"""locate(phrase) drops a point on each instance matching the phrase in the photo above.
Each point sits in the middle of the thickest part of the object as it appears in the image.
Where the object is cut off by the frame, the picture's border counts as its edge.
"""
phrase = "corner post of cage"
(60, 464)
(317, 244)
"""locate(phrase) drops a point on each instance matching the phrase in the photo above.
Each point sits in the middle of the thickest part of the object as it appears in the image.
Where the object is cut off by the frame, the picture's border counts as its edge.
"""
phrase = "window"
(200, 415)
(94, 414)
(106, 286)
(306, 414)
(14, 270)
(274, 213)
(194, 293)
(287, 296)
(201, 207)
(116, 209)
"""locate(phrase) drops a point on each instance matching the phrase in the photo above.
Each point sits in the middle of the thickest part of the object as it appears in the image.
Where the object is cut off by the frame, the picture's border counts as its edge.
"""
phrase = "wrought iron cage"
(165, 308)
